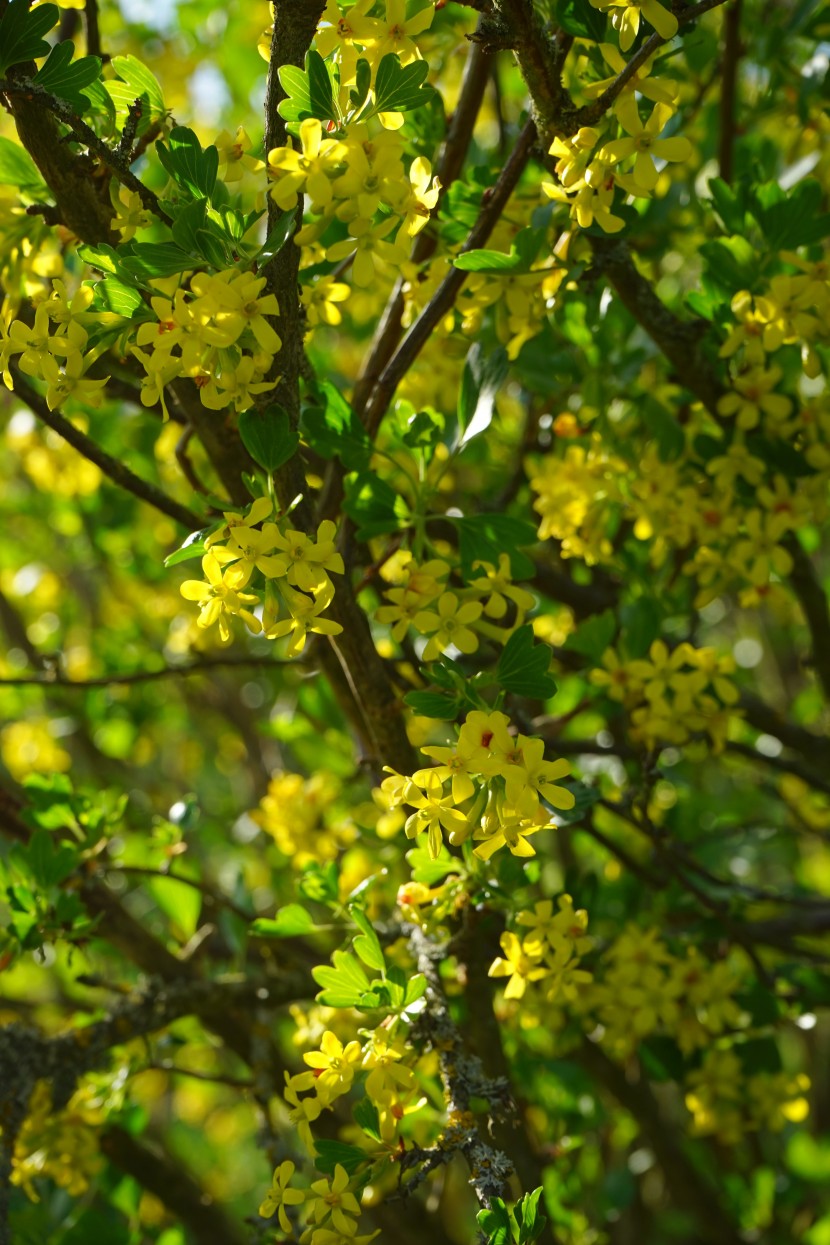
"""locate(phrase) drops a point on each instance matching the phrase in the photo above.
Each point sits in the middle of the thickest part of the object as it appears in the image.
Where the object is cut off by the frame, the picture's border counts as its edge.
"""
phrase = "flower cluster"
(491, 786)
(549, 953)
(52, 347)
(589, 165)
(672, 694)
(295, 569)
(297, 813)
(62, 1145)
(451, 617)
(354, 179)
(727, 1103)
(641, 988)
(573, 493)
(216, 331)
(329, 1206)
(382, 1061)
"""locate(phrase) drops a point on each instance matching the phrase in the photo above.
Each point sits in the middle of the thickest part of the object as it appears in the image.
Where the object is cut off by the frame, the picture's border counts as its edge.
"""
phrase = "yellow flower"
(332, 1199)
(305, 617)
(335, 1064)
(626, 18)
(644, 142)
(425, 793)
(70, 382)
(320, 300)
(234, 155)
(519, 965)
(449, 624)
(219, 597)
(395, 32)
(308, 560)
(279, 1196)
(752, 396)
(533, 773)
(308, 171)
(510, 827)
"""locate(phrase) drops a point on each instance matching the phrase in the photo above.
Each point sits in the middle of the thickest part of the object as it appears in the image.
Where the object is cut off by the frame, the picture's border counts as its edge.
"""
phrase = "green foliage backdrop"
(414, 798)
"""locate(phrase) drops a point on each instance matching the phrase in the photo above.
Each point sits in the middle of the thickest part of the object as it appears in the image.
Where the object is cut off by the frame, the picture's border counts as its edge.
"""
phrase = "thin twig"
(591, 113)
(93, 34)
(116, 470)
(79, 129)
(729, 88)
(53, 678)
(444, 297)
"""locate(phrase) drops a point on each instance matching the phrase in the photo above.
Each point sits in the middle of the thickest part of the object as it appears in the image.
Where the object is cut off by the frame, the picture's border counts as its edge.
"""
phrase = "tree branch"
(52, 678)
(113, 468)
(207, 1222)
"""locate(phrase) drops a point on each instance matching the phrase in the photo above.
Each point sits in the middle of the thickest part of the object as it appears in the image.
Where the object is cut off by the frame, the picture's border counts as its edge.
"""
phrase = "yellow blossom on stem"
(280, 1195)
(645, 143)
(519, 965)
(448, 624)
(331, 1199)
(626, 18)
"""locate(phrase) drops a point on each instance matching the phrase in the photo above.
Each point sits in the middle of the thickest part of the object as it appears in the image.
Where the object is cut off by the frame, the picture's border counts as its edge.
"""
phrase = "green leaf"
(791, 220)
(366, 944)
(155, 259)
(529, 1218)
(310, 92)
(584, 798)
(400, 88)
(188, 217)
(193, 547)
(137, 82)
(423, 430)
(482, 378)
(521, 257)
(523, 666)
(113, 295)
(759, 1055)
(495, 1223)
(332, 428)
(593, 636)
(22, 30)
(363, 81)
(291, 921)
(67, 78)
(729, 204)
(330, 1154)
(193, 169)
(105, 259)
(580, 18)
(668, 434)
(731, 263)
(640, 621)
(662, 1058)
(180, 903)
(375, 507)
(268, 436)
(433, 705)
(49, 864)
(416, 988)
(366, 1117)
(809, 1158)
(277, 236)
(17, 168)
(429, 871)
(344, 984)
(779, 455)
(482, 537)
